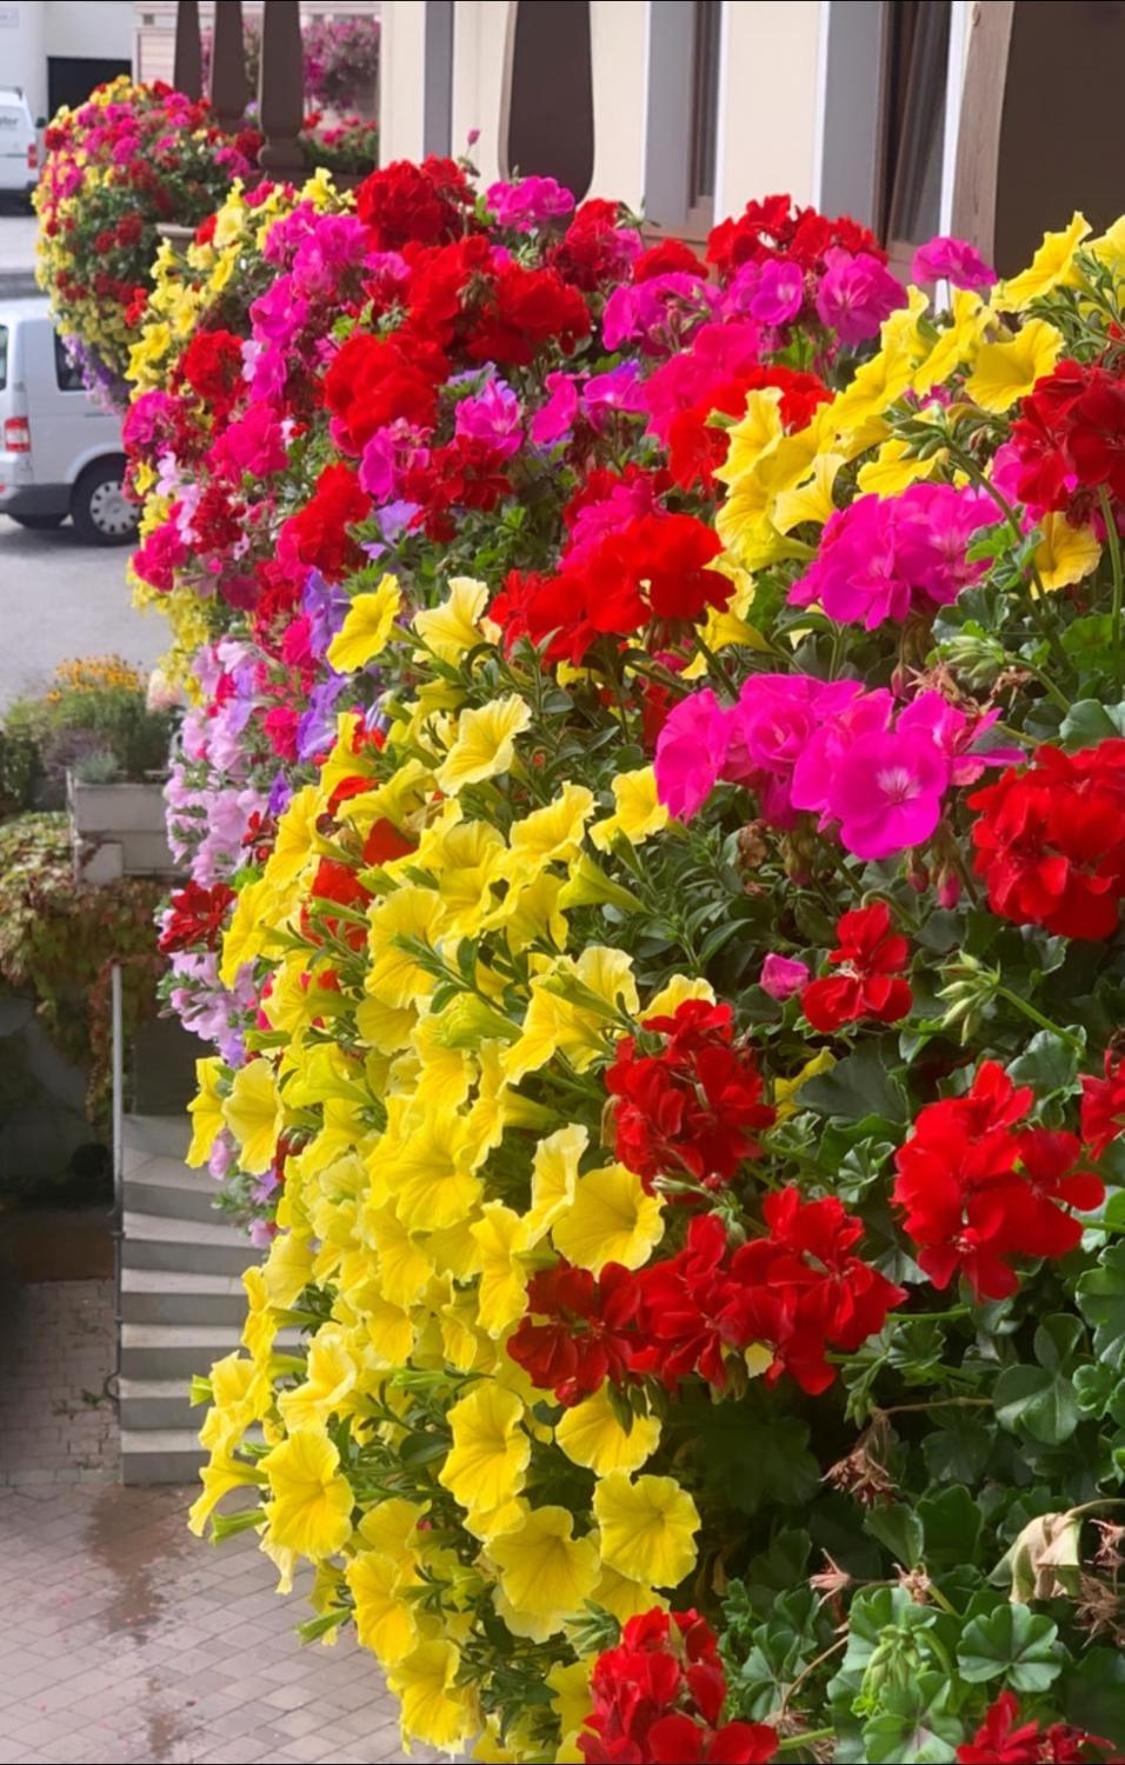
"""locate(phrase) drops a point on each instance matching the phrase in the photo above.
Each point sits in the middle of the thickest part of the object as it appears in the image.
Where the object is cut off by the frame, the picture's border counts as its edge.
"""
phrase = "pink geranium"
(952, 260)
(690, 751)
(856, 294)
(782, 976)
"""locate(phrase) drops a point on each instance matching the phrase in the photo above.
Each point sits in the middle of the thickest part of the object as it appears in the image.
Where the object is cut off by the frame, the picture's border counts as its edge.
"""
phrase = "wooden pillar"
(281, 92)
(230, 89)
(547, 108)
(1039, 132)
(187, 63)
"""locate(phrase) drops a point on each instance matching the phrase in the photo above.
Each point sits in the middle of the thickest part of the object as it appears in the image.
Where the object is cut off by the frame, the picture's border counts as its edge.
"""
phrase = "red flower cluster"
(317, 535)
(653, 568)
(870, 958)
(659, 1696)
(195, 916)
(1070, 439)
(777, 228)
(1050, 840)
(999, 1742)
(1103, 1106)
(212, 366)
(584, 1337)
(689, 1102)
(978, 1190)
(427, 204)
(798, 1291)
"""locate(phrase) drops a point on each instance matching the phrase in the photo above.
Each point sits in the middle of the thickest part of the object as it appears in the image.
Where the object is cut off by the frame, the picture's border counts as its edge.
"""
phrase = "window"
(3, 357)
(67, 377)
(681, 150)
(704, 116)
(916, 66)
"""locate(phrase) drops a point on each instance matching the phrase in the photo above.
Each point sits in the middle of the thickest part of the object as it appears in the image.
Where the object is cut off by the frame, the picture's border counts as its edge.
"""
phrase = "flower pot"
(118, 830)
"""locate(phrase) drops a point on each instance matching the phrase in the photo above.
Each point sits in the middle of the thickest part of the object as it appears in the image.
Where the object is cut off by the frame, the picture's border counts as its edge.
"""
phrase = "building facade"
(57, 51)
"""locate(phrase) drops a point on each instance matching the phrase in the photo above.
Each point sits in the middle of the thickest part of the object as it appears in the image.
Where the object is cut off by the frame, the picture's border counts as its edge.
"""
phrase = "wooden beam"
(187, 61)
(230, 89)
(1039, 129)
(281, 91)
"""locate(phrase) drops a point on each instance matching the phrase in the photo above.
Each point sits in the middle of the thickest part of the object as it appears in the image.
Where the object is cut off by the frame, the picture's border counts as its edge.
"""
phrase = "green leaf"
(951, 1524)
(1013, 1644)
(900, 1529)
(1038, 1401)
(914, 1724)
(1049, 1062)
(1094, 1695)
(1101, 1300)
(857, 1086)
(1089, 722)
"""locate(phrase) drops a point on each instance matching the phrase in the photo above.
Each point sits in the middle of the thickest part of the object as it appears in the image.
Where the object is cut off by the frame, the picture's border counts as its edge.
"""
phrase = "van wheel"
(101, 512)
(39, 523)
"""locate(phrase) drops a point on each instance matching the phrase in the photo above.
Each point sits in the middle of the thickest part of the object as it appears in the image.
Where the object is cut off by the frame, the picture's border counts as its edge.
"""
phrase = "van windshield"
(3, 357)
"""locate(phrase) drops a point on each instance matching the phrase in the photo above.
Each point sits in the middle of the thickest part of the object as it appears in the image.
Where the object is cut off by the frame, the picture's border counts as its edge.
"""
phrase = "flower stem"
(811, 1738)
(1113, 539)
(1037, 1017)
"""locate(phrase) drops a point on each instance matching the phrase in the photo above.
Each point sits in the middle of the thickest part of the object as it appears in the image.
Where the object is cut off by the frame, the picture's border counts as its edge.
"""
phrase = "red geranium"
(999, 1742)
(1103, 1106)
(429, 203)
(870, 957)
(195, 916)
(979, 1192)
(318, 534)
(689, 1102)
(1050, 840)
(582, 1338)
(659, 1696)
(1070, 439)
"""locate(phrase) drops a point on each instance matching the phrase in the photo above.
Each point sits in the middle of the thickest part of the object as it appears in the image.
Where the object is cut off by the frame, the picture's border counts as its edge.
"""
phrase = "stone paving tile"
(124, 1638)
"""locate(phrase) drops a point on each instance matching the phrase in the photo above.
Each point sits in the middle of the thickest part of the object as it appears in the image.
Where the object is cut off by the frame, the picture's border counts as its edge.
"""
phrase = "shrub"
(93, 719)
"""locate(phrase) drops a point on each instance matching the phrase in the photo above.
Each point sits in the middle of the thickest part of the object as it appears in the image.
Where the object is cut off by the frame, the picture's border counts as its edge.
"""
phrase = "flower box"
(118, 830)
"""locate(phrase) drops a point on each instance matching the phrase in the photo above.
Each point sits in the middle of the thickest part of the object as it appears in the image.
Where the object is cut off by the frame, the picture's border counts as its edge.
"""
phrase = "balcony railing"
(281, 80)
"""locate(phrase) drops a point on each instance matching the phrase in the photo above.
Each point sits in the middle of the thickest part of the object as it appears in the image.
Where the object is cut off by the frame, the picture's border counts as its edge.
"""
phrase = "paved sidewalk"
(123, 1637)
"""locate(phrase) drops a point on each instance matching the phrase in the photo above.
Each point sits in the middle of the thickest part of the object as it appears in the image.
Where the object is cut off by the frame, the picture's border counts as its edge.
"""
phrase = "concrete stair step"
(166, 1296)
(157, 1136)
(165, 1351)
(158, 1241)
(160, 1455)
(148, 1404)
(166, 1186)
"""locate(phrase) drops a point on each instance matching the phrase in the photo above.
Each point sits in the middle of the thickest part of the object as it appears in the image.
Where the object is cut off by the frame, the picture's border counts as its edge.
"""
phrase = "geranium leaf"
(1101, 1298)
(1014, 1644)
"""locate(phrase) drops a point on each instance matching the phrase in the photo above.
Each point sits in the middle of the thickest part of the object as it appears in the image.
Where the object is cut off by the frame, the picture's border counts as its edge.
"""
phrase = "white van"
(19, 143)
(60, 453)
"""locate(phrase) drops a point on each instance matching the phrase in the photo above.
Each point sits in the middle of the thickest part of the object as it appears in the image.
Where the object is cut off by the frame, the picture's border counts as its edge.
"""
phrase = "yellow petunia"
(252, 1112)
(206, 1111)
(458, 624)
(638, 813)
(1007, 371)
(219, 1477)
(625, 1598)
(435, 1709)
(1053, 266)
(502, 1238)
(487, 1465)
(384, 1618)
(546, 1574)
(485, 743)
(611, 1219)
(329, 1381)
(311, 1510)
(647, 1528)
(365, 630)
(591, 1435)
(554, 1174)
(894, 468)
(396, 979)
(552, 835)
(296, 844)
(1065, 554)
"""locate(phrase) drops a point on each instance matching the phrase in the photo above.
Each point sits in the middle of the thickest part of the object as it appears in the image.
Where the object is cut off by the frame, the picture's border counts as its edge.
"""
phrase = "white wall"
(768, 102)
(401, 60)
(97, 28)
(23, 54)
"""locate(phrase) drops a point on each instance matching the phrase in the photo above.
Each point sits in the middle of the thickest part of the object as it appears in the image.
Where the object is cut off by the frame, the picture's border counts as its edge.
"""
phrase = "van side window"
(68, 377)
(3, 357)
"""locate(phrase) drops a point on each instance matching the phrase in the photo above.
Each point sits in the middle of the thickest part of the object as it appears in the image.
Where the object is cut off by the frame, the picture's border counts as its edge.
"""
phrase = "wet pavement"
(123, 1637)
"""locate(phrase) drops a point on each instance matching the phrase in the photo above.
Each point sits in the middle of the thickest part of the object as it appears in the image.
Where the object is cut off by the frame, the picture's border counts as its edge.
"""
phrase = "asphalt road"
(60, 598)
